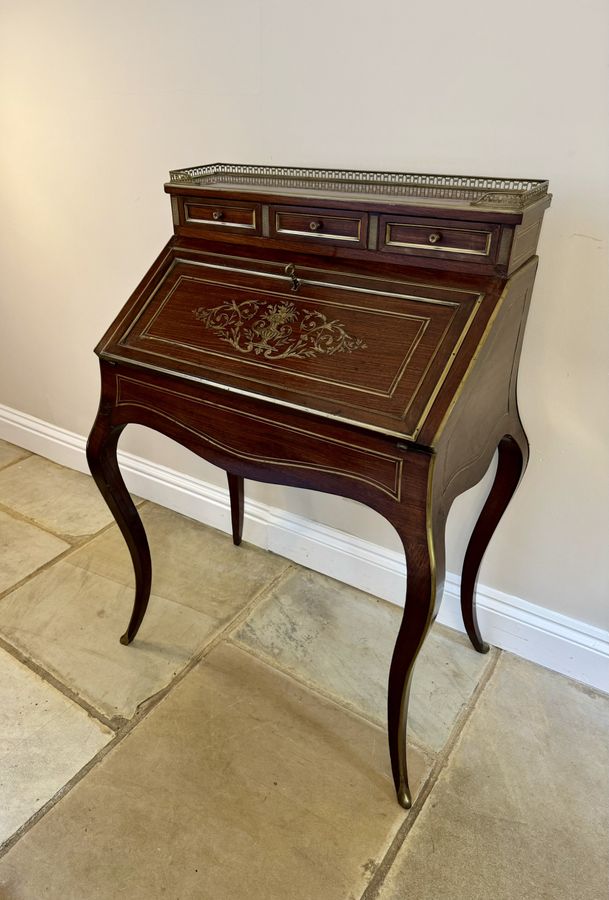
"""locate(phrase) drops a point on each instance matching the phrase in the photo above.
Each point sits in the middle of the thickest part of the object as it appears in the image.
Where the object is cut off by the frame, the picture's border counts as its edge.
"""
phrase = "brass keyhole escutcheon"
(218, 214)
(290, 271)
(434, 237)
(315, 225)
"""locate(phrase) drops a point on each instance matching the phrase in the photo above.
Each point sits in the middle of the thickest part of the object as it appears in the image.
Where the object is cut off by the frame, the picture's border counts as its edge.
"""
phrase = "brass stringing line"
(316, 211)
(315, 234)
(261, 459)
(481, 343)
(310, 268)
(436, 247)
(417, 340)
(257, 381)
(427, 368)
(421, 420)
(139, 294)
(220, 223)
(301, 298)
(325, 284)
(387, 395)
(252, 362)
(161, 283)
(278, 401)
(163, 303)
(379, 429)
(441, 381)
(249, 415)
(277, 462)
(260, 364)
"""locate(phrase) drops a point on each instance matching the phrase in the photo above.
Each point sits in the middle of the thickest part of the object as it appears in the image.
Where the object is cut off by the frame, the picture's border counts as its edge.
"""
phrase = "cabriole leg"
(425, 580)
(101, 456)
(512, 460)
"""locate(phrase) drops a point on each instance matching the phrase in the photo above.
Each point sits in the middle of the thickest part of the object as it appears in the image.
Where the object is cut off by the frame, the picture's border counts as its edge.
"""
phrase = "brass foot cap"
(404, 798)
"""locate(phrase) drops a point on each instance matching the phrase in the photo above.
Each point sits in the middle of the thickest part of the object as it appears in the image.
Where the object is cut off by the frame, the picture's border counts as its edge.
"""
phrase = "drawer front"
(440, 238)
(218, 215)
(246, 431)
(323, 225)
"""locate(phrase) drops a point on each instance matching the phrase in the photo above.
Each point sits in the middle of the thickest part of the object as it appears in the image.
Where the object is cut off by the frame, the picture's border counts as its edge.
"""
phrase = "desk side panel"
(484, 406)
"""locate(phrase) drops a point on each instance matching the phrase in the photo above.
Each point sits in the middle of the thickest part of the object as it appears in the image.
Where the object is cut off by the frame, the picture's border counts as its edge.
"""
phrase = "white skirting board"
(555, 641)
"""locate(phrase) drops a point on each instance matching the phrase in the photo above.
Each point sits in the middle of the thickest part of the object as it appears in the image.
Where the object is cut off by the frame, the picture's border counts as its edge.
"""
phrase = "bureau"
(357, 333)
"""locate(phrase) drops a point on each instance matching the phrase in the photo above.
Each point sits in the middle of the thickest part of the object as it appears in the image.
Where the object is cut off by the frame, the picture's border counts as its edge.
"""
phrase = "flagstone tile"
(69, 618)
(23, 549)
(45, 739)
(192, 564)
(240, 783)
(10, 453)
(69, 621)
(54, 497)
(521, 810)
(340, 640)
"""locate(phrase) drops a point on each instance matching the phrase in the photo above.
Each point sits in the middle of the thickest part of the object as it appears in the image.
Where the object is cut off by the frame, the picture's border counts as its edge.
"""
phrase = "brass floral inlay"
(277, 330)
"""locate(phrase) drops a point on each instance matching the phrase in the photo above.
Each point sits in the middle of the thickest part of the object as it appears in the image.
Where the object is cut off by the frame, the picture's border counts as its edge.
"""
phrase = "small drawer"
(438, 237)
(218, 215)
(323, 225)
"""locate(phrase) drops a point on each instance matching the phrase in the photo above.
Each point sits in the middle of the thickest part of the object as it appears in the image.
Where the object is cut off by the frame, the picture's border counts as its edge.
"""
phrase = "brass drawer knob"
(315, 225)
(434, 237)
(218, 214)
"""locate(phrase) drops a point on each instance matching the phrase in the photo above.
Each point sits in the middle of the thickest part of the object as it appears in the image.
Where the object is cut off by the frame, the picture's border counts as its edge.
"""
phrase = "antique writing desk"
(353, 332)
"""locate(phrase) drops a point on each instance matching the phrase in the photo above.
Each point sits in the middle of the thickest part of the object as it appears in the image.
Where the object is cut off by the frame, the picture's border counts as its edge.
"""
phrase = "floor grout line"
(217, 638)
(117, 721)
(21, 656)
(314, 688)
(76, 540)
(122, 727)
(114, 724)
(74, 544)
(28, 520)
(143, 710)
(340, 702)
(442, 760)
(13, 462)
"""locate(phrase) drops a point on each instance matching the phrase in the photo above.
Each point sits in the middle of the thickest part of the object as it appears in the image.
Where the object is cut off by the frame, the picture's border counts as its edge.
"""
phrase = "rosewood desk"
(357, 333)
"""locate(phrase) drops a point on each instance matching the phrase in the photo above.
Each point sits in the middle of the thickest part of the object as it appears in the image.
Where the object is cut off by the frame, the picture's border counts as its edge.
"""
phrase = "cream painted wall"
(99, 101)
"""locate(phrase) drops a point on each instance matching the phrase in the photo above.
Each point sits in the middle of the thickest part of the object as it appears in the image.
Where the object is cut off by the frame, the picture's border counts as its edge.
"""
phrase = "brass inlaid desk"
(352, 332)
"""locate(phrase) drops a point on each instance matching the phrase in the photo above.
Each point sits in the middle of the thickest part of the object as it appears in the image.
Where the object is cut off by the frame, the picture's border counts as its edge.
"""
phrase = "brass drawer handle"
(434, 237)
(217, 214)
(315, 225)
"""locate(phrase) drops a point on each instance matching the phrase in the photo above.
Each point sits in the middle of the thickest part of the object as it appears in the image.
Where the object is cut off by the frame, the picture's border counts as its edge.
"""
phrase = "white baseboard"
(541, 635)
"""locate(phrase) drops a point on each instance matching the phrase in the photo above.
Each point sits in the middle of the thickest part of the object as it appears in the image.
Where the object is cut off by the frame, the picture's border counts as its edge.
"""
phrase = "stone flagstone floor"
(237, 747)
